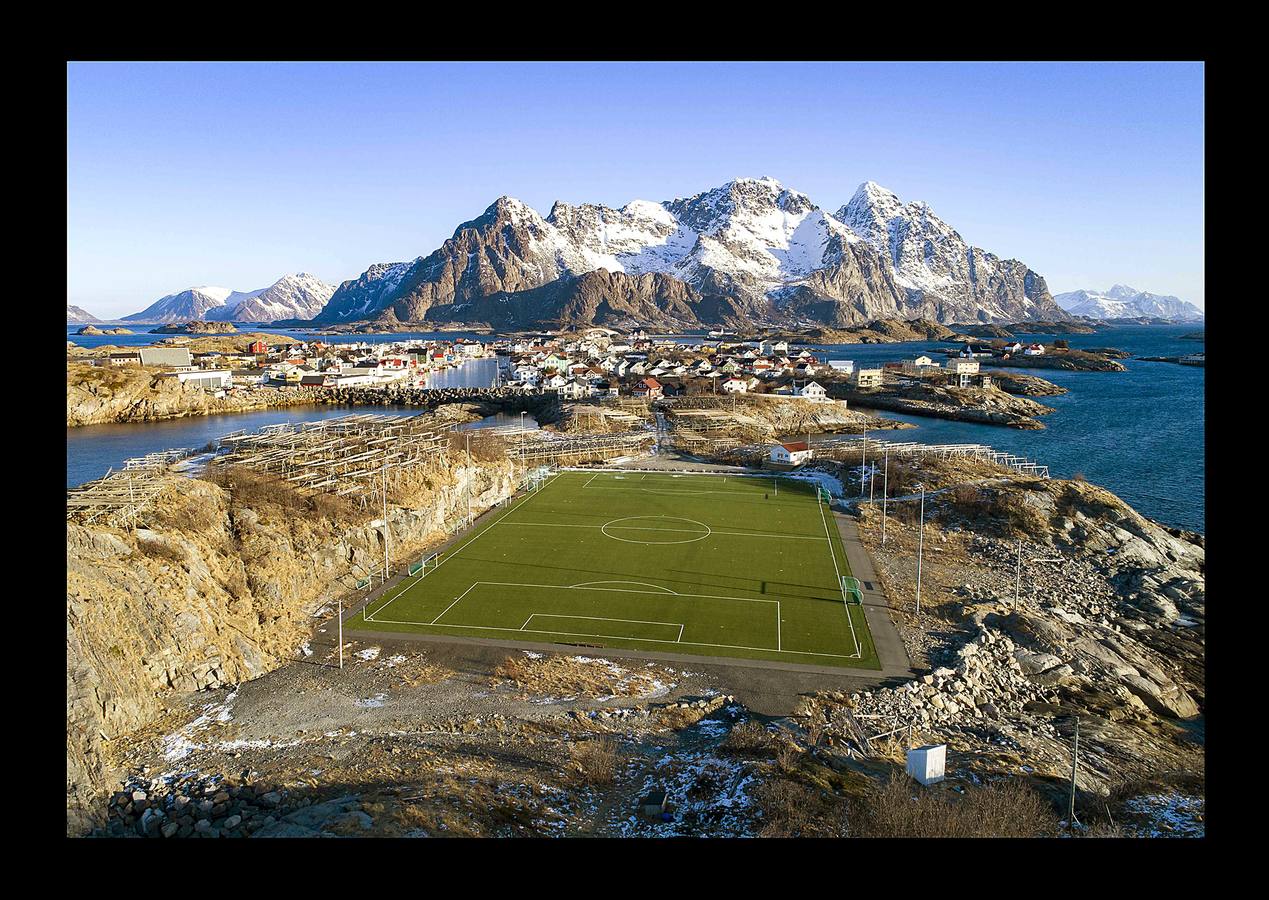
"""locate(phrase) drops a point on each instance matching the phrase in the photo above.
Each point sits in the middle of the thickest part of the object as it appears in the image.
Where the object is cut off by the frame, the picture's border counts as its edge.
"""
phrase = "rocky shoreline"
(984, 406)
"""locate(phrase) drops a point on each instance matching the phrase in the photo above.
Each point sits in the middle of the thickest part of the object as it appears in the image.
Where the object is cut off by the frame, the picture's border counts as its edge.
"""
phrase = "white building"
(792, 454)
(866, 378)
(208, 379)
(735, 386)
(813, 392)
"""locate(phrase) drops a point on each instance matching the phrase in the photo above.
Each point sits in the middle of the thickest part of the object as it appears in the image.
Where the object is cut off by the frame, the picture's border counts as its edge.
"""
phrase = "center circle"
(656, 530)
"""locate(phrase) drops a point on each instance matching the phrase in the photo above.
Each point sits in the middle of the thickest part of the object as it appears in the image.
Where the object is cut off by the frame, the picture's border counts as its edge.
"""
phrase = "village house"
(812, 392)
(207, 379)
(961, 372)
(735, 386)
(919, 365)
(866, 378)
(649, 388)
(790, 455)
(1034, 350)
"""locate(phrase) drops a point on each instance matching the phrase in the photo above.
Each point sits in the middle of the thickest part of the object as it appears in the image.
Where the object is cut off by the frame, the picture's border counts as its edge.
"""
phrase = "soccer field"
(733, 566)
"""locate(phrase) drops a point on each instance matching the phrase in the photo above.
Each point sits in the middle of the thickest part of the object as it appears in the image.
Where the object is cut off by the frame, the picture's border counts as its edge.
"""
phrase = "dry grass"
(484, 446)
(594, 762)
(793, 809)
(161, 550)
(750, 738)
(260, 491)
(904, 809)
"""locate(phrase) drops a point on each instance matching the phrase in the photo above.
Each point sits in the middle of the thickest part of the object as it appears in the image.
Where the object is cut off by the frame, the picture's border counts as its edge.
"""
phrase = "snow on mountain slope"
(300, 296)
(77, 316)
(184, 306)
(751, 248)
(1123, 302)
(290, 297)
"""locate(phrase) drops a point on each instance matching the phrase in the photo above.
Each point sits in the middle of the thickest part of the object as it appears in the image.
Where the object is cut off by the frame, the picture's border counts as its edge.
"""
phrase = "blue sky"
(234, 174)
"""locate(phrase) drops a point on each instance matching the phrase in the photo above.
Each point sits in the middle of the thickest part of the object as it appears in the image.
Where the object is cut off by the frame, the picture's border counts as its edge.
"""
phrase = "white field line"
(762, 534)
(455, 552)
(833, 553)
(643, 583)
(679, 625)
(557, 587)
(451, 606)
(626, 638)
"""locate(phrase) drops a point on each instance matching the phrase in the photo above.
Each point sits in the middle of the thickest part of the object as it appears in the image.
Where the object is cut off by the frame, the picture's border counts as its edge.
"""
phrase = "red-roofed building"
(792, 454)
(648, 387)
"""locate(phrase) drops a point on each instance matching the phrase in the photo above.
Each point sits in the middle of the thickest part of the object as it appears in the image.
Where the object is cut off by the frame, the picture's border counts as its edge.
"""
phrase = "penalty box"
(612, 610)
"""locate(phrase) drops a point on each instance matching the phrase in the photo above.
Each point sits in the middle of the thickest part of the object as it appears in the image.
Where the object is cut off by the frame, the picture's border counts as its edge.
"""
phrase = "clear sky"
(235, 174)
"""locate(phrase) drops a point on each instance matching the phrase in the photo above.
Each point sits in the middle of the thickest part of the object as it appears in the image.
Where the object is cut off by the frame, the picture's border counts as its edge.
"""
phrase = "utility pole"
(863, 463)
(872, 483)
(920, 550)
(341, 632)
(385, 518)
(1075, 763)
(1017, 579)
(885, 493)
(467, 438)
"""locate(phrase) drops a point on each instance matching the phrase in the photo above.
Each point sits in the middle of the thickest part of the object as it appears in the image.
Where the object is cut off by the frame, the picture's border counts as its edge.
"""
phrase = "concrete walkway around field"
(885, 636)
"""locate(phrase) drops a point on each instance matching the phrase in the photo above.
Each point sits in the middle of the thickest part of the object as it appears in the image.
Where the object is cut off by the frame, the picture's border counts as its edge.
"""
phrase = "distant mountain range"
(749, 252)
(1123, 302)
(299, 296)
(77, 316)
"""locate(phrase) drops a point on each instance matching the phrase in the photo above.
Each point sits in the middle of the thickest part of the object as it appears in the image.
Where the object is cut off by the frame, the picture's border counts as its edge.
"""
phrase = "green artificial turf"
(696, 564)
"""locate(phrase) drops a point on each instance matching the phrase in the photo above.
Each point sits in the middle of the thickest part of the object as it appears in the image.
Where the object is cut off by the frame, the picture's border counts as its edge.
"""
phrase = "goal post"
(850, 590)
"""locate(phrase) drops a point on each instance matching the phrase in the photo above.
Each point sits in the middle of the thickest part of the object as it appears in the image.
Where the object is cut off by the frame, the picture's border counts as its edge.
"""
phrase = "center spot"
(656, 530)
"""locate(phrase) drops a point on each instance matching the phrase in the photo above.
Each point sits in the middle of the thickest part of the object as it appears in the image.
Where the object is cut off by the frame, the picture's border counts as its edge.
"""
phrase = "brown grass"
(261, 491)
(594, 762)
(793, 809)
(160, 550)
(904, 809)
(750, 737)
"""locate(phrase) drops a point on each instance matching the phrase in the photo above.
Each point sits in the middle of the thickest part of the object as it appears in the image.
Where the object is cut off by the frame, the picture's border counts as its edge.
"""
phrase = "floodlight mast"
(885, 493)
(385, 518)
(920, 550)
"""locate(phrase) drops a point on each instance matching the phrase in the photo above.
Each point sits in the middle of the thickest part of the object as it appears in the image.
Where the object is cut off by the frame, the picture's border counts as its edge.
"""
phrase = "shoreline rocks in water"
(196, 327)
(1070, 360)
(985, 406)
(93, 330)
(1024, 385)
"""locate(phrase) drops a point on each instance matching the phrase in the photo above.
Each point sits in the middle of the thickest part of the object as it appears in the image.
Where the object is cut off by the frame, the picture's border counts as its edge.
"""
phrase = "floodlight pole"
(1075, 763)
(341, 632)
(863, 463)
(920, 550)
(385, 520)
(468, 440)
(1017, 578)
(885, 493)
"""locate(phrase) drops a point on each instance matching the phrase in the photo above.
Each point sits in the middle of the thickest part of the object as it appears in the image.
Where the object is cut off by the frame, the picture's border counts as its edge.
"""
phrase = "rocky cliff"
(220, 589)
(101, 394)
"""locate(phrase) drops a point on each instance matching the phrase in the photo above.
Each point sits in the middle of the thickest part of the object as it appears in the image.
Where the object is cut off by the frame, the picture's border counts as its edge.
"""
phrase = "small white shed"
(926, 764)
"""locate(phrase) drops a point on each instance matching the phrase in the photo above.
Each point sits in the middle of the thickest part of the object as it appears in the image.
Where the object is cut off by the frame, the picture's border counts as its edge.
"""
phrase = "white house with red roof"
(791, 454)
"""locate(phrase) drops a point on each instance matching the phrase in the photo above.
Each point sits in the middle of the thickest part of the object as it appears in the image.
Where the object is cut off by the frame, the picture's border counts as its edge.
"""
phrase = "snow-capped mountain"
(751, 250)
(1123, 302)
(299, 296)
(184, 306)
(77, 316)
